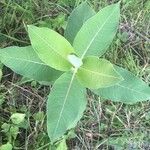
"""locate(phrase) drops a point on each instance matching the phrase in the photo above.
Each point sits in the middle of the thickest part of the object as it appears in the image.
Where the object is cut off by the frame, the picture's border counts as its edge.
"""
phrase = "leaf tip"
(118, 4)
(30, 26)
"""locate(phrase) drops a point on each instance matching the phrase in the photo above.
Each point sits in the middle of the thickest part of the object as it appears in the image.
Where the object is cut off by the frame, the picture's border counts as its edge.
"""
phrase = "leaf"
(96, 73)
(51, 47)
(7, 146)
(17, 118)
(130, 90)
(62, 145)
(77, 18)
(13, 131)
(5, 127)
(97, 32)
(65, 106)
(24, 61)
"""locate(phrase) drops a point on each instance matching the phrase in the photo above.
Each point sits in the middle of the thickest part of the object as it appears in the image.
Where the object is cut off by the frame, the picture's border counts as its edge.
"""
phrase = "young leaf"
(17, 118)
(24, 61)
(75, 61)
(62, 145)
(6, 146)
(97, 32)
(51, 47)
(96, 73)
(77, 18)
(130, 90)
(65, 106)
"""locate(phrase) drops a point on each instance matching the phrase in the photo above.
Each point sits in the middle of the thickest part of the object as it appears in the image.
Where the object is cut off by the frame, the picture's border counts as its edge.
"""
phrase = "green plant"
(6, 146)
(11, 129)
(51, 55)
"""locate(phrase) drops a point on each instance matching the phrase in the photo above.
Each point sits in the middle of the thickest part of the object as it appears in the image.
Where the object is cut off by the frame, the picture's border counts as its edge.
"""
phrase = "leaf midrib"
(26, 60)
(139, 92)
(65, 100)
(96, 35)
(101, 74)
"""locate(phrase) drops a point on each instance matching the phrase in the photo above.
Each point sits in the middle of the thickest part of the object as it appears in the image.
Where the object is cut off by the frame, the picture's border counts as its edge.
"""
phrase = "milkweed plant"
(73, 63)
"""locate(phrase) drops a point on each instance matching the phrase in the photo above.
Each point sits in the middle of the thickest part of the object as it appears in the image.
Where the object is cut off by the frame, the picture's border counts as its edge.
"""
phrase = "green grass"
(105, 124)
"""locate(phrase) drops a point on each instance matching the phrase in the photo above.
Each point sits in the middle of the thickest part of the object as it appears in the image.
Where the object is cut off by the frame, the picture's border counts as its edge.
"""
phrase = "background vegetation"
(105, 124)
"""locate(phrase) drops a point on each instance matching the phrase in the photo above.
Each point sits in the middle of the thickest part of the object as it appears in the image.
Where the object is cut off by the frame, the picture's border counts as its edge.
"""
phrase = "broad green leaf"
(96, 73)
(24, 61)
(51, 47)
(77, 18)
(97, 32)
(130, 90)
(65, 106)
